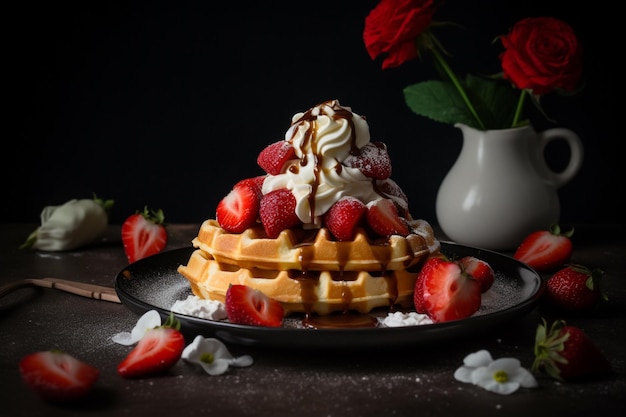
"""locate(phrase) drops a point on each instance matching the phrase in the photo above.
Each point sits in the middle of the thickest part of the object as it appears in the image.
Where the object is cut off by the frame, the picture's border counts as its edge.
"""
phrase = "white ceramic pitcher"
(501, 188)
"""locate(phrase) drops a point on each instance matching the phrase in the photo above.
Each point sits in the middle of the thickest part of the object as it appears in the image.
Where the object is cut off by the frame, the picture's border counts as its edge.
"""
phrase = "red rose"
(542, 54)
(392, 28)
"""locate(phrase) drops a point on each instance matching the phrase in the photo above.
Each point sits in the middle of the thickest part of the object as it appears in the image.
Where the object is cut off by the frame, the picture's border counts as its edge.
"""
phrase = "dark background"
(167, 103)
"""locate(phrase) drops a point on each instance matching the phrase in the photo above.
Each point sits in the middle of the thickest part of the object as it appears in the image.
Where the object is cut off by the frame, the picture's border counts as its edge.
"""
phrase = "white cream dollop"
(322, 138)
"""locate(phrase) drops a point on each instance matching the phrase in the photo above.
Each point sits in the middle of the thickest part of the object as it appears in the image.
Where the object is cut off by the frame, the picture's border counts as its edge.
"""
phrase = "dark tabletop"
(390, 381)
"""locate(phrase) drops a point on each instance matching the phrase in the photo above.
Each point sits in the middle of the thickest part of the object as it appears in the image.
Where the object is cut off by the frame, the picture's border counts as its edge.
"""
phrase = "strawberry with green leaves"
(566, 353)
(546, 250)
(57, 376)
(574, 289)
(144, 234)
(246, 305)
(156, 352)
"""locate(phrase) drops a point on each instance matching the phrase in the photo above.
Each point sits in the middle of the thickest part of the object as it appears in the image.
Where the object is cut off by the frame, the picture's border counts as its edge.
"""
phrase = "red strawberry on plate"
(418, 294)
(344, 216)
(382, 216)
(372, 160)
(57, 376)
(566, 353)
(157, 351)
(574, 288)
(239, 209)
(144, 234)
(480, 270)
(245, 305)
(278, 212)
(448, 292)
(546, 250)
(274, 157)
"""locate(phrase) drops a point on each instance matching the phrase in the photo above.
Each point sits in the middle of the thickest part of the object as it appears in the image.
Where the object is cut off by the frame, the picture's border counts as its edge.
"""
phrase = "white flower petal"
(508, 365)
(476, 359)
(464, 374)
(149, 320)
(526, 378)
(242, 361)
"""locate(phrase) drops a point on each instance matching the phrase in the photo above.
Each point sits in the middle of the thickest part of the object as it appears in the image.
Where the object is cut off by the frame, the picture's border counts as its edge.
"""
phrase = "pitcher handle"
(576, 154)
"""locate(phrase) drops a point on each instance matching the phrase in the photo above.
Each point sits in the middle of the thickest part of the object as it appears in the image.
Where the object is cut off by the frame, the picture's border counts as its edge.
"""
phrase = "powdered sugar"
(198, 307)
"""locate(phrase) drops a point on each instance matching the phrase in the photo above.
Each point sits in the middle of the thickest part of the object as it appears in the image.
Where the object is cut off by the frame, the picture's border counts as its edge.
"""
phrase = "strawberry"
(372, 160)
(274, 157)
(418, 294)
(245, 305)
(448, 292)
(382, 216)
(144, 234)
(255, 182)
(157, 351)
(390, 189)
(566, 353)
(344, 216)
(546, 250)
(574, 288)
(57, 376)
(278, 212)
(480, 270)
(239, 209)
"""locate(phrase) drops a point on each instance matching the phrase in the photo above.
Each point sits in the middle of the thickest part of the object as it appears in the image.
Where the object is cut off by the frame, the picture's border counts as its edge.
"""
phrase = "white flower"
(502, 376)
(149, 320)
(213, 356)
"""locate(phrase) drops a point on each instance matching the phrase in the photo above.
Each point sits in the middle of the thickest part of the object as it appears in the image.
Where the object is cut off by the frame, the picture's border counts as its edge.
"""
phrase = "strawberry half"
(157, 351)
(382, 216)
(274, 157)
(57, 376)
(245, 305)
(448, 292)
(573, 289)
(566, 353)
(144, 234)
(372, 160)
(546, 250)
(480, 270)
(418, 294)
(278, 212)
(344, 216)
(239, 210)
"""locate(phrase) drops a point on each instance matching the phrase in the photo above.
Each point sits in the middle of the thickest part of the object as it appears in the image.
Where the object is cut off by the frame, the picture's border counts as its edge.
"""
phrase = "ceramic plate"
(153, 283)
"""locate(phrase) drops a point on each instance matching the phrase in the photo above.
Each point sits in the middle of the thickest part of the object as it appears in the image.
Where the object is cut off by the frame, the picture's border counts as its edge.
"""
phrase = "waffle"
(307, 271)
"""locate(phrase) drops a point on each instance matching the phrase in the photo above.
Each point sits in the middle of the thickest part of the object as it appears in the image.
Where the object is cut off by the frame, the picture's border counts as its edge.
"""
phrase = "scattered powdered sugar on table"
(198, 307)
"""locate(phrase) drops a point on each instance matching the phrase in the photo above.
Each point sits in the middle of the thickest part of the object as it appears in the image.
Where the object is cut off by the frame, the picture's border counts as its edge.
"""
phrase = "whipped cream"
(323, 137)
(198, 307)
(400, 319)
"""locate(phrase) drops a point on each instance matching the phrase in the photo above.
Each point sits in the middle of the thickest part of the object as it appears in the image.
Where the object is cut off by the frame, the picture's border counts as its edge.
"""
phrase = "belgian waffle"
(308, 271)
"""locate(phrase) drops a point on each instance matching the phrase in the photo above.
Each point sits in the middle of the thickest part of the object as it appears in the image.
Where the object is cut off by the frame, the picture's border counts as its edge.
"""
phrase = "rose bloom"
(542, 54)
(392, 28)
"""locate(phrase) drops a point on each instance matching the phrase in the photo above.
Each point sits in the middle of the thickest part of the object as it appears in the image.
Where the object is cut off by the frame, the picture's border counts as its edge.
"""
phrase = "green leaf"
(439, 101)
(494, 101)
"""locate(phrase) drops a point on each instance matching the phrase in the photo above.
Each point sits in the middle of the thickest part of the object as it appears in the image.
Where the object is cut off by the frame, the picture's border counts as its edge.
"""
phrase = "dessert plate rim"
(153, 283)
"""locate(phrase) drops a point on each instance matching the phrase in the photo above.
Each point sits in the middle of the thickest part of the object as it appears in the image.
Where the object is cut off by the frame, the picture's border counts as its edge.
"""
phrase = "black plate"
(154, 283)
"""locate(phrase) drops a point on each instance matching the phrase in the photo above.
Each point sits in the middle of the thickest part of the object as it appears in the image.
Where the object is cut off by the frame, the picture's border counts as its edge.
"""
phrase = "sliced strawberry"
(255, 182)
(144, 234)
(546, 250)
(274, 157)
(382, 216)
(390, 189)
(278, 212)
(480, 270)
(372, 160)
(344, 216)
(157, 351)
(57, 376)
(245, 305)
(418, 294)
(239, 210)
(566, 353)
(448, 292)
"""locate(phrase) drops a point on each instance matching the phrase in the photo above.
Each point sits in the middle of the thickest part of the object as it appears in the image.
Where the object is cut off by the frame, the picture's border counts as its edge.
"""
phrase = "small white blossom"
(149, 320)
(502, 376)
(213, 356)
